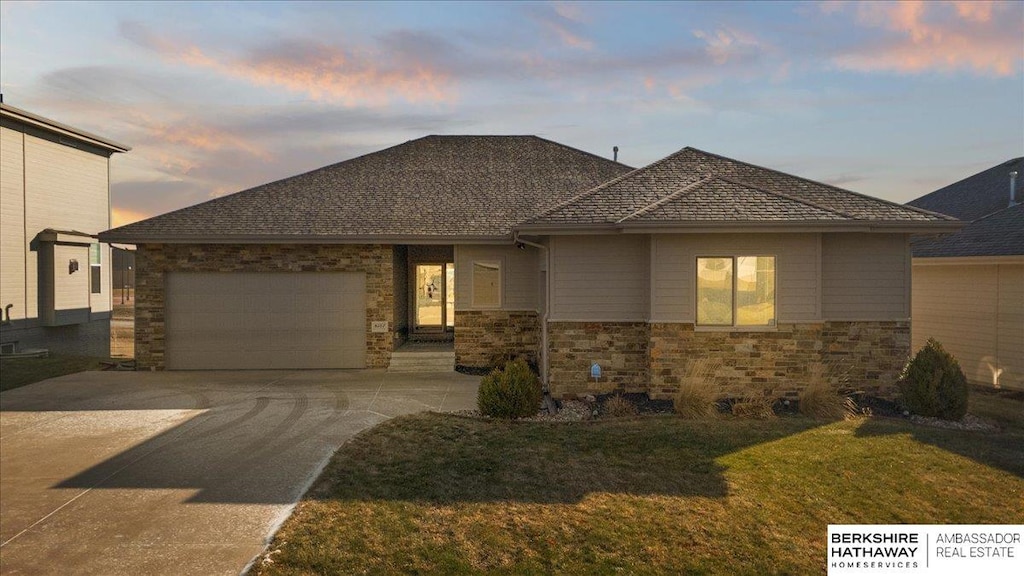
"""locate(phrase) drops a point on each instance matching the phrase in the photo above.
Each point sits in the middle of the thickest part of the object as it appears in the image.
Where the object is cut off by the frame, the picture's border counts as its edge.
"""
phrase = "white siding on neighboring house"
(673, 266)
(13, 246)
(600, 278)
(66, 189)
(975, 308)
(70, 289)
(865, 277)
(519, 274)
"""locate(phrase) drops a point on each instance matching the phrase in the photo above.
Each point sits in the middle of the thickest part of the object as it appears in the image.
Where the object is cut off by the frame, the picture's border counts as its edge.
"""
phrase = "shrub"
(932, 384)
(754, 405)
(821, 401)
(618, 406)
(512, 392)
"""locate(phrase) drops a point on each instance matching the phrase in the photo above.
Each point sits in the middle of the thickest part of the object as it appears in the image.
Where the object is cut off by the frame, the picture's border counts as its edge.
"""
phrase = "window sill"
(735, 328)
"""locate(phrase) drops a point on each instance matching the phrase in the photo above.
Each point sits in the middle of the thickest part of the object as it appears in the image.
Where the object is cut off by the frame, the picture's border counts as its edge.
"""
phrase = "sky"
(892, 99)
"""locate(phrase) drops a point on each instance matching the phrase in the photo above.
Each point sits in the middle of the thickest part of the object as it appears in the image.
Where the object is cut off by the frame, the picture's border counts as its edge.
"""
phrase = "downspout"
(544, 320)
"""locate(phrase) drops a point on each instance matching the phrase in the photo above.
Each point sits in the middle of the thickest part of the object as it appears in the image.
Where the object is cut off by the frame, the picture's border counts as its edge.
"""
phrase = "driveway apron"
(179, 472)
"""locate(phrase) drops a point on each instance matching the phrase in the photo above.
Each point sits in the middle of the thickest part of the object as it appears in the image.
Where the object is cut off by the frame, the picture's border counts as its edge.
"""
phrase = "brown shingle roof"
(696, 186)
(431, 187)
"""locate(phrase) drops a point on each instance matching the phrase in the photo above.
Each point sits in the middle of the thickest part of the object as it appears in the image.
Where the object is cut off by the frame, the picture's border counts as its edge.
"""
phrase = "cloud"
(725, 44)
(322, 71)
(916, 37)
(564, 21)
(123, 216)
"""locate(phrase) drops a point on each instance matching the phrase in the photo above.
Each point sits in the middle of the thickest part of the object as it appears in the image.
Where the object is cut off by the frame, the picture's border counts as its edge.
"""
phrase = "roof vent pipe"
(1013, 187)
(615, 153)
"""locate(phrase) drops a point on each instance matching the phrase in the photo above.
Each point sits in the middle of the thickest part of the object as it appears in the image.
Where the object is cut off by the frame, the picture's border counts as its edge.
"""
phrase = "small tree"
(512, 392)
(932, 384)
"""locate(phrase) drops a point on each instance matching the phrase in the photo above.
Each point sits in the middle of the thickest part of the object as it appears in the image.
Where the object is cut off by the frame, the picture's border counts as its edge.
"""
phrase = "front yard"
(18, 372)
(657, 494)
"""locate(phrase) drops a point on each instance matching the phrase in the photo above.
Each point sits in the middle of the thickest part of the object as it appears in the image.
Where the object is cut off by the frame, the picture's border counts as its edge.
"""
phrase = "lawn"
(435, 493)
(17, 372)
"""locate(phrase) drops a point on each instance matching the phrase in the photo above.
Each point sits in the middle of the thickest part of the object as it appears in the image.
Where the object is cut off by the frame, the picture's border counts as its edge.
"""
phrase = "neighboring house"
(508, 243)
(969, 286)
(54, 197)
(123, 274)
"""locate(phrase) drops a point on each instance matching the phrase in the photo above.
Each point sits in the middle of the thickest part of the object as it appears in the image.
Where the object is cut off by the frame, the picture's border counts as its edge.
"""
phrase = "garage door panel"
(265, 320)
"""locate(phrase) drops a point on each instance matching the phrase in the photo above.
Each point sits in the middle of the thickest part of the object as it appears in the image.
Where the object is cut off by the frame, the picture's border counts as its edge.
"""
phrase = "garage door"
(243, 320)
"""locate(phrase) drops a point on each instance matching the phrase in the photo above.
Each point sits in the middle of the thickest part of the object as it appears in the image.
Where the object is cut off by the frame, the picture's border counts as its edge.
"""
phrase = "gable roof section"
(696, 187)
(998, 234)
(997, 228)
(976, 196)
(435, 187)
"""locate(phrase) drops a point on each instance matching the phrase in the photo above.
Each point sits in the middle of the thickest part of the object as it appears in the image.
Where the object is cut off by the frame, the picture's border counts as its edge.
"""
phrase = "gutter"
(547, 312)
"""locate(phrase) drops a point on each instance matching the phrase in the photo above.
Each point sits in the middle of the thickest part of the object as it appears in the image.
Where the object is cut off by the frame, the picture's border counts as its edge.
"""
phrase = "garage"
(265, 320)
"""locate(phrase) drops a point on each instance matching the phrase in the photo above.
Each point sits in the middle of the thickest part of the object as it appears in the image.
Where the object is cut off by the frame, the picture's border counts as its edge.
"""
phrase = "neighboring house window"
(95, 268)
(736, 291)
(486, 285)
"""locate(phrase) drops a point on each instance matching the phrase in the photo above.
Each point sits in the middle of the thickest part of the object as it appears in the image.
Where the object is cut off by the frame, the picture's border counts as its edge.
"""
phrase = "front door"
(434, 297)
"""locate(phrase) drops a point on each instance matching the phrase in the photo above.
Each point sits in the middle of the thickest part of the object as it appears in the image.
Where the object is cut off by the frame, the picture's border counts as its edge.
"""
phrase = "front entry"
(433, 306)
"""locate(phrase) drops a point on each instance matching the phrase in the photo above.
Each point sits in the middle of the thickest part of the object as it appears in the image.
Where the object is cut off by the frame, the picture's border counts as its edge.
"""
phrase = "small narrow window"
(486, 285)
(96, 268)
(736, 291)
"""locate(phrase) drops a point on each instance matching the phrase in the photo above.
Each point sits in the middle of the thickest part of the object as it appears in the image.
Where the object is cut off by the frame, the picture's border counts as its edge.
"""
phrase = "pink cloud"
(925, 36)
(123, 216)
(725, 44)
(323, 72)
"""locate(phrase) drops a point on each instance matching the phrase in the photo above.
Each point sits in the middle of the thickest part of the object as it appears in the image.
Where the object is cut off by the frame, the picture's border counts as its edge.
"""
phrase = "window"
(95, 268)
(736, 291)
(486, 285)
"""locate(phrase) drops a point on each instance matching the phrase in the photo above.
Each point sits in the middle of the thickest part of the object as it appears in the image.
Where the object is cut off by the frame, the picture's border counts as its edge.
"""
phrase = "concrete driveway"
(179, 472)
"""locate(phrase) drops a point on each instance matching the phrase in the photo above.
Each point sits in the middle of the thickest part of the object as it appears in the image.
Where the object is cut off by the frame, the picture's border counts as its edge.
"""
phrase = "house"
(520, 245)
(54, 198)
(969, 286)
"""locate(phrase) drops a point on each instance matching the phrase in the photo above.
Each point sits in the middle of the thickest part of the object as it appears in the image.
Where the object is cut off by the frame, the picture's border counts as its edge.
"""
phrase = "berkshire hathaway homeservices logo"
(925, 549)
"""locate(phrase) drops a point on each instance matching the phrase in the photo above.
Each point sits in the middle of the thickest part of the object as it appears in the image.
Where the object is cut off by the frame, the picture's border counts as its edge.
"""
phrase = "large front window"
(736, 291)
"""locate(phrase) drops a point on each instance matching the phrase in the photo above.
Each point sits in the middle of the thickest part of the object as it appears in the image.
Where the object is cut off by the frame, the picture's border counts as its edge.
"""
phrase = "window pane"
(95, 277)
(94, 254)
(755, 291)
(714, 291)
(486, 284)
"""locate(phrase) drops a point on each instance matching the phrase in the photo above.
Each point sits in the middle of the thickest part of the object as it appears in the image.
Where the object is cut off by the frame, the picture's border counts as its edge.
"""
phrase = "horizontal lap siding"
(865, 276)
(674, 260)
(600, 278)
(977, 313)
(13, 244)
(519, 275)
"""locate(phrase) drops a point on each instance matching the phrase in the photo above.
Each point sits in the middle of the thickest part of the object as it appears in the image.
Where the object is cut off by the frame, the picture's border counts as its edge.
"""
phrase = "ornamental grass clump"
(755, 406)
(822, 402)
(619, 407)
(511, 392)
(932, 384)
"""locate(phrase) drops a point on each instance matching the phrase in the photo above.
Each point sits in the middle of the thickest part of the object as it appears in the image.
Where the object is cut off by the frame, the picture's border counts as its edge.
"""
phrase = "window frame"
(735, 279)
(499, 266)
(96, 276)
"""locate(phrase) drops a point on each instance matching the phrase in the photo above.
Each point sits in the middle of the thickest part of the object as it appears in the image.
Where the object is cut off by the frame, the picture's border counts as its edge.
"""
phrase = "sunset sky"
(889, 99)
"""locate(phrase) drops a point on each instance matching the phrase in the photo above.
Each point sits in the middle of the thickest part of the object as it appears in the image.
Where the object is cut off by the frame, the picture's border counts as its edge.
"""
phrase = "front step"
(422, 362)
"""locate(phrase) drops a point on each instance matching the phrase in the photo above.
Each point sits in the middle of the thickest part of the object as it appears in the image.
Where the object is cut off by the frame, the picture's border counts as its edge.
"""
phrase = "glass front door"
(434, 300)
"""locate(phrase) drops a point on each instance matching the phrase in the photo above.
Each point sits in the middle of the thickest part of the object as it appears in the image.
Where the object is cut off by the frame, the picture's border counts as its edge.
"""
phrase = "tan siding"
(13, 245)
(977, 313)
(600, 278)
(864, 276)
(519, 275)
(66, 189)
(70, 290)
(674, 264)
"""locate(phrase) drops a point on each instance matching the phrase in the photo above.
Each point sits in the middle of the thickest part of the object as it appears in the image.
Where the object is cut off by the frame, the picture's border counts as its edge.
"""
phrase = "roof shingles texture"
(436, 186)
(997, 228)
(693, 185)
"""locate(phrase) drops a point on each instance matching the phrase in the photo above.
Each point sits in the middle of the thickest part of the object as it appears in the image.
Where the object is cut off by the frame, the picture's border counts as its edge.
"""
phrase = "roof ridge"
(600, 187)
(858, 194)
(566, 146)
(680, 192)
(788, 197)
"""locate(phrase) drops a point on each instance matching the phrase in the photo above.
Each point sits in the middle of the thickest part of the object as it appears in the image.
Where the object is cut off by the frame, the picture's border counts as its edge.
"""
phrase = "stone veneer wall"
(620, 348)
(480, 335)
(865, 356)
(153, 261)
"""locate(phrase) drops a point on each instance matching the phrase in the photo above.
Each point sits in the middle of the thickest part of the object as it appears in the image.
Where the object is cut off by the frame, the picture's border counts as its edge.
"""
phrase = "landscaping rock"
(968, 422)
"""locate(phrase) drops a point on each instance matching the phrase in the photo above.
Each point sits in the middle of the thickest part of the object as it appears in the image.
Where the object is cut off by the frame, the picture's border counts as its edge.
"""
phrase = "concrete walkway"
(179, 472)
